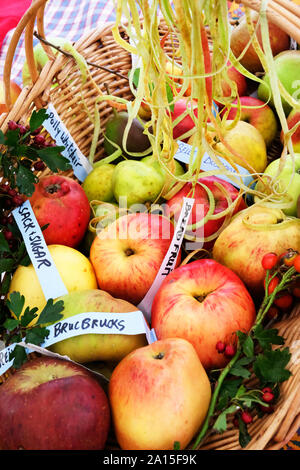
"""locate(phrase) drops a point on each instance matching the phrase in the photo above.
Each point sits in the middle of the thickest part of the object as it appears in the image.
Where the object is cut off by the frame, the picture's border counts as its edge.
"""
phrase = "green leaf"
(19, 355)
(12, 138)
(15, 303)
(6, 264)
(51, 312)
(36, 335)
(176, 445)
(244, 436)
(246, 343)
(238, 368)
(37, 118)
(28, 316)
(271, 366)
(4, 247)
(227, 391)
(53, 159)
(2, 138)
(221, 422)
(11, 323)
(136, 77)
(26, 180)
(267, 337)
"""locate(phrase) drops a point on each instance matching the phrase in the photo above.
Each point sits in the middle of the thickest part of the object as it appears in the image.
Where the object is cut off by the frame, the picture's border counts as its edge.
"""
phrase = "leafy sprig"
(18, 328)
(259, 352)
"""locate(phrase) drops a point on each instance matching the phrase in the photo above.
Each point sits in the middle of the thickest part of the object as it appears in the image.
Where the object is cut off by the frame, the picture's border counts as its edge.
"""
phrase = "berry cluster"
(228, 350)
(267, 396)
(276, 266)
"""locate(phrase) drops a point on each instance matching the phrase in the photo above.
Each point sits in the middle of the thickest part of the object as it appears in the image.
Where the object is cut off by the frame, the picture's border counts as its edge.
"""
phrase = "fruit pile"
(235, 274)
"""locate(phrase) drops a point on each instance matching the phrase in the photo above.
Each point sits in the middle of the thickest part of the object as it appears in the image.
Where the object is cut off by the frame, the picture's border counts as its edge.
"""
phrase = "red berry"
(12, 192)
(12, 125)
(8, 235)
(246, 417)
(284, 301)
(39, 166)
(273, 312)
(267, 409)
(273, 283)
(267, 389)
(297, 263)
(268, 397)
(220, 347)
(22, 129)
(230, 350)
(39, 139)
(18, 200)
(235, 422)
(296, 292)
(269, 261)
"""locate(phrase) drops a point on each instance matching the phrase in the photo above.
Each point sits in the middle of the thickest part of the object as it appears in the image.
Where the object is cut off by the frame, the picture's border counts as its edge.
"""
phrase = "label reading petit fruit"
(183, 155)
(48, 275)
(58, 131)
(170, 259)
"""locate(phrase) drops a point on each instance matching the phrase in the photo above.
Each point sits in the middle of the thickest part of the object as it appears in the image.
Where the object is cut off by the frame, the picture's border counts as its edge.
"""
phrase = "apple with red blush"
(204, 303)
(15, 90)
(60, 203)
(221, 190)
(53, 404)
(257, 113)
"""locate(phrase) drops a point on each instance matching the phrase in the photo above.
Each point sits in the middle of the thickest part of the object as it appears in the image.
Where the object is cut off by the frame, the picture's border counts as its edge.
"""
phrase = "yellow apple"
(248, 143)
(15, 90)
(159, 394)
(75, 269)
(96, 347)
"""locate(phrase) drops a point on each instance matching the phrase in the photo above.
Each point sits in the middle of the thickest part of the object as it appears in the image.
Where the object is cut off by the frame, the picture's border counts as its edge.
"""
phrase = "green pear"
(98, 183)
(179, 170)
(137, 181)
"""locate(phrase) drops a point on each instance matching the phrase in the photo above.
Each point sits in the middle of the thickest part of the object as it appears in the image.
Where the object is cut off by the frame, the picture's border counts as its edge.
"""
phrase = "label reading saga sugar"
(58, 131)
(48, 275)
(170, 259)
(183, 155)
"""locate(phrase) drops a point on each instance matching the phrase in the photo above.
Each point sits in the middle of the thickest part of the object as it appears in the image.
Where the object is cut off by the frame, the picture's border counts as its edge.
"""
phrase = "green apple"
(137, 181)
(41, 58)
(287, 66)
(98, 183)
(285, 179)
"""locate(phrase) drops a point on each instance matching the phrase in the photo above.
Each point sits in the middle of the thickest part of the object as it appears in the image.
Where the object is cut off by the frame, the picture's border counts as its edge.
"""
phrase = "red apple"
(15, 90)
(186, 123)
(52, 404)
(238, 78)
(293, 119)
(128, 253)
(62, 203)
(159, 394)
(240, 37)
(259, 114)
(203, 302)
(201, 205)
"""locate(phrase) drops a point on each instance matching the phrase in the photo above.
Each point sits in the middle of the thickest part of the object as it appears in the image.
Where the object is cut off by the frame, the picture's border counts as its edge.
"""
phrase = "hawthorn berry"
(272, 284)
(220, 347)
(8, 235)
(39, 166)
(296, 292)
(246, 417)
(296, 263)
(22, 129)
(268, 397)
(288, 258)
(269, 261)
(12, 125)
(230, 350)
(284, 301)
(273, 312)
(39, 140)
(267, 408)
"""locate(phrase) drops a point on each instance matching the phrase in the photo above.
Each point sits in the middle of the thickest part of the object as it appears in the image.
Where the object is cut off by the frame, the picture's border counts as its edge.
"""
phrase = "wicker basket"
(98, 47)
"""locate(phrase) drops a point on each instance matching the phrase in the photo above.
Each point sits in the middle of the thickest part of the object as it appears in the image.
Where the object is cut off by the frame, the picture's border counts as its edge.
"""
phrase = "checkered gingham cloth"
(69, 19)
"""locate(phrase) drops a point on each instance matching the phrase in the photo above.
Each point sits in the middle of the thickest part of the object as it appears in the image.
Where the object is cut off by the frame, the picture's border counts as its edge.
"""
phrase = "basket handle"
(27, 22)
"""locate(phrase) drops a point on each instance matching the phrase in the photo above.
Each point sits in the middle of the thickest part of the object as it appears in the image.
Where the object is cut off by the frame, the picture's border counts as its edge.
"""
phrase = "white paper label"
(183, 155)
(48, 275)
(129, 323)
(58, 131)
(170, 259)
